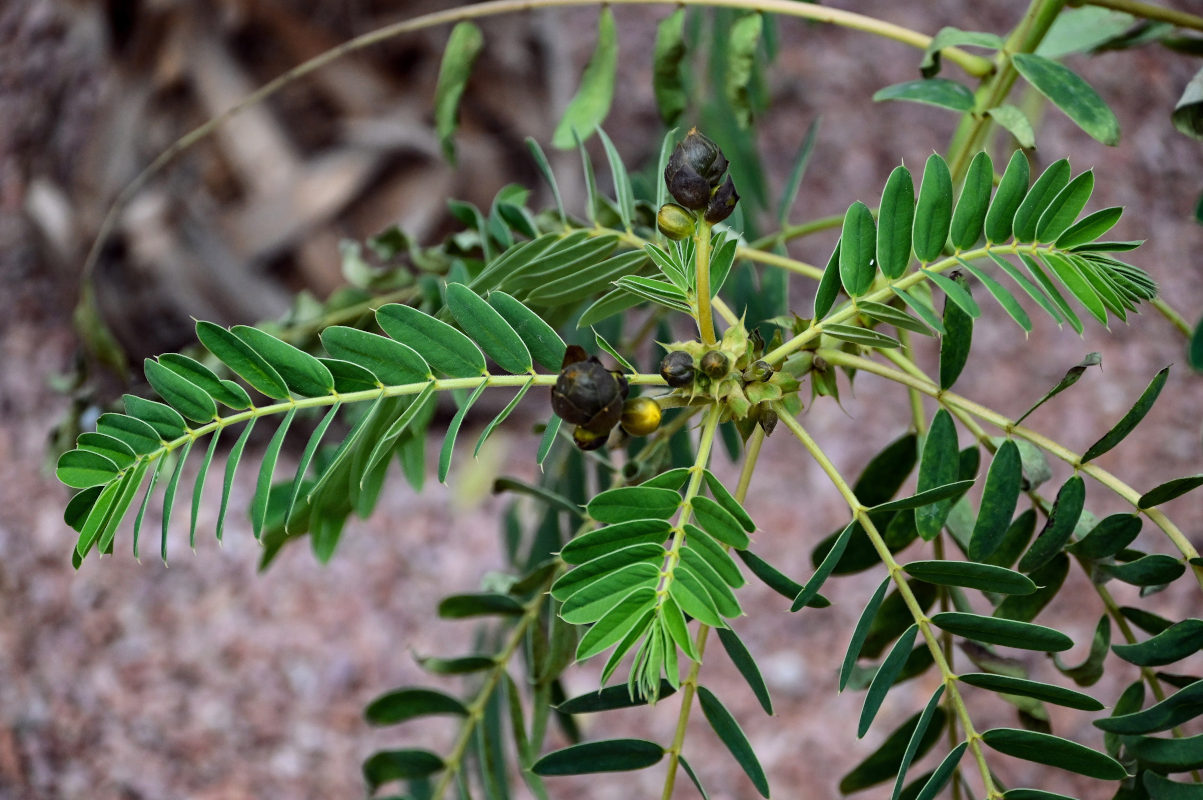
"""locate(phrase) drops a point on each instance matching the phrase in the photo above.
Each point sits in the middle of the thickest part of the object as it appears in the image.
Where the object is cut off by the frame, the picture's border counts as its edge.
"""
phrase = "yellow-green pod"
(674, 221)
(640, 416)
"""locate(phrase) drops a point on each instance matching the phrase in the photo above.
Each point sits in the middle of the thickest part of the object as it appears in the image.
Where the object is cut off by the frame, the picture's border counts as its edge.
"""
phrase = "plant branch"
(1156, 516)
(701, 240)
(861, 513)
(1149, 11)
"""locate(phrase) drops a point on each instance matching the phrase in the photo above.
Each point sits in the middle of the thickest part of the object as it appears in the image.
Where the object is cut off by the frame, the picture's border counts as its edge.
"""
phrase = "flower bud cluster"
(694, 177)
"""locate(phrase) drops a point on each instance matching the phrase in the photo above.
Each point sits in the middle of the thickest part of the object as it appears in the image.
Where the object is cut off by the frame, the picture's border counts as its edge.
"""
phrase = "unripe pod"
(677, 369)
(640, 416)
(758, 371)
(675, 222)
(715, 364)
(586, 439)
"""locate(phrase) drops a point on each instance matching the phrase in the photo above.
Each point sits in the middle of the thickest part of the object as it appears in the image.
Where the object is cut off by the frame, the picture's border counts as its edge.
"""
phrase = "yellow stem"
(701, 240)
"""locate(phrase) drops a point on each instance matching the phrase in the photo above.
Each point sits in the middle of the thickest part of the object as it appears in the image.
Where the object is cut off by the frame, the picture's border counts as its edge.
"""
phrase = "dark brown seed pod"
(675, 222)
(677, 369)
(640, 416)
(722, 202)
(694, 171)
(715, 364)
(589, 395)
(586, 439)
(768, 420)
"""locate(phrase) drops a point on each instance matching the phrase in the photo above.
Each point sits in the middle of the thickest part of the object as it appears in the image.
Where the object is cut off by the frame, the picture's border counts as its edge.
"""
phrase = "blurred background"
(205, 680)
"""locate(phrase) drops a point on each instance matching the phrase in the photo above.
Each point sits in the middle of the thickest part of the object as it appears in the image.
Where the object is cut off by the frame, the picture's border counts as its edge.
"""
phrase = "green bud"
(715, 364)
(675, 222)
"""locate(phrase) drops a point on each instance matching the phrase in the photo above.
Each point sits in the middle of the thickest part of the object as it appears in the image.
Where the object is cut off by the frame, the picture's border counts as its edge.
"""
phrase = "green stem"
(476, 710)
(1150, 11)
(1170, 313)
(1156, 516)
(751, 455)
(791, 232)
(690, 684)
(701, 240)
(974, 126)
(860, 512)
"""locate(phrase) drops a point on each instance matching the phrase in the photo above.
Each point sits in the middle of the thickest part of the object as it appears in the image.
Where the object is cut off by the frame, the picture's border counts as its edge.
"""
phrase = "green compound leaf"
(861, 632)
(594, 601)
(242, 360)
(596, 543)
(986, 577)
(400, 705)
(183, 395)
(725, 499)
(1053, 751)
(631, 612)
(1006, 632)
(439, 344)
(893, 316)
(719, 522)
(949, 36)
(597, 569)
(1002, 295)
(1012, 189)
(607, 755)
(488, 328)
(897, 215)
(199, 487)
(999, 498)
(1049, 288)
(724, 599)
(1016, 123)
(937, 467)
(746, 664)
(350, 377)
(668, 56)
(887, 761)
(857, 246)
(1131, 419)
(633, 502)
(917, 740)
(453, 431)
(829, 285)
(861, 336)
(1062, 520)
(1150, 570)
(1065, 207)
(462, 606)
(693, 777)
(970, 213)
(941, 774)
(164, 419)
(1089, 228)
(232, 461)
(1049, 578)
(589, 107)
(391, 362)
(926, 497)
(227, 393)
(1089, 671)
(743, 41)
(957, 340)
(463, 46)
(922, 307)
(267, 469)
(775, 579)
(1070, 93)
(1166, 755)
(825, 568)
(933, 214)
(885, 677)
(932, 91)
(1179, 707)
(622, 180)
(1165, 789)
(82, 469)
(610, 698)
(1072, 278)
(399, 765)
(694, 600)
(1038, 198)
(110, 447)
(1005, 684)
(1168, 491)
(1071, 377)
(302, 373)
(542, 341)
(1179, 641)
(733, 737)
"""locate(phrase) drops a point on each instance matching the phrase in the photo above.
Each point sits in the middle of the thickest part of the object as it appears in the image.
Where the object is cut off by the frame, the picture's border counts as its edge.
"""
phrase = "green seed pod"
(640, 416)
(758, 371)
(677, 369)
(715, 364)
(675, 222)
(586, 439)
(722, 202)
